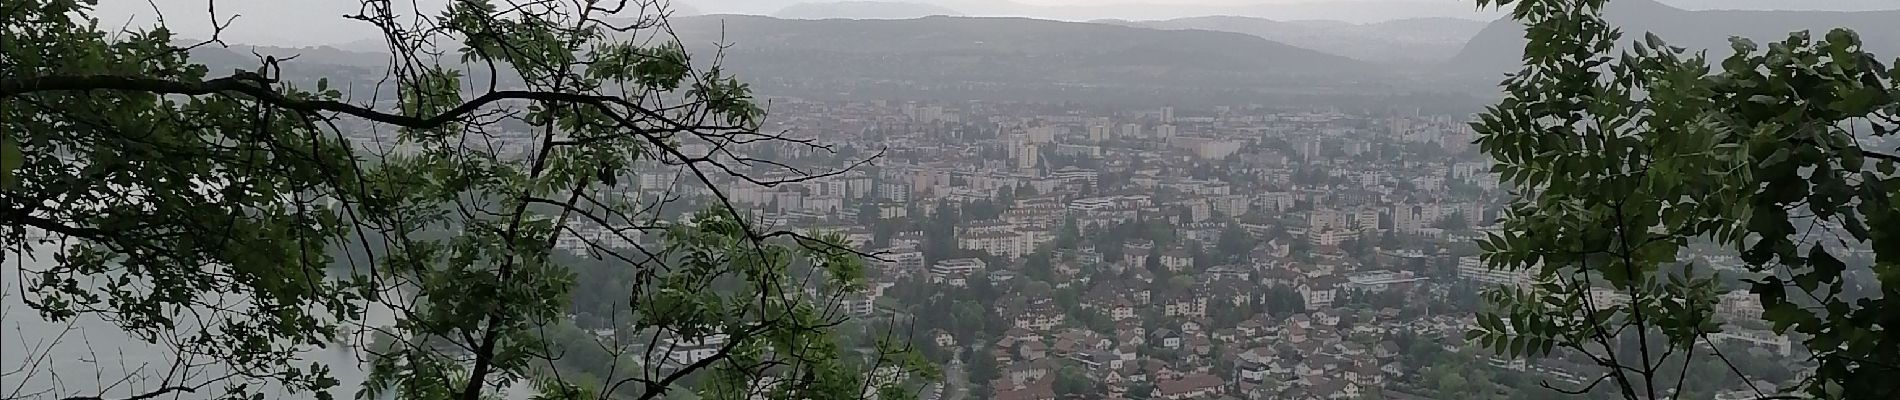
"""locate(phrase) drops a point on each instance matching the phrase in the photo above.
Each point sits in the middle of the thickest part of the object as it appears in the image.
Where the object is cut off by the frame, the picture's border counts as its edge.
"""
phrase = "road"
(955, 385)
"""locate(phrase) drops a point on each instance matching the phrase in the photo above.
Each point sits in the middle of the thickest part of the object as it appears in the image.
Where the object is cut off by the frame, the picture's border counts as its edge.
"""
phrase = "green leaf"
(1853, 160)
(10, 159)
(1828, 267)
(1780, 155)
(1840, 38)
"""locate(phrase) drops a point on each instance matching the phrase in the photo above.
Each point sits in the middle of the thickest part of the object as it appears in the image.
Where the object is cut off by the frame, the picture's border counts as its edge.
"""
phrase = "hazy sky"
(1182, 2)
(318, 22)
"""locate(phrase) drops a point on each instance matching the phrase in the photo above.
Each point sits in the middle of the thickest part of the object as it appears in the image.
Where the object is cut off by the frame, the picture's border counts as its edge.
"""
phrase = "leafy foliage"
(1623, 158)
(236, 218)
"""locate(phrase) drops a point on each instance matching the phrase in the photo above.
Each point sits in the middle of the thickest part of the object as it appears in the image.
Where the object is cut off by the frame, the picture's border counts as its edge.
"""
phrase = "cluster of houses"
(1305, 184)
(1305, 355)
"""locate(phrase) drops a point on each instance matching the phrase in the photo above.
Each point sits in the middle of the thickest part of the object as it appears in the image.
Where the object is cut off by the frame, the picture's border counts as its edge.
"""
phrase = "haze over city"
(290, 23)
(950, 199)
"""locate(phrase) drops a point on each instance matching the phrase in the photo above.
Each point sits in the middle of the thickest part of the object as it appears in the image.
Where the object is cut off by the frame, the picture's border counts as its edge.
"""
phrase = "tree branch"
(1883, 156)
(255, 86)
(148, 395)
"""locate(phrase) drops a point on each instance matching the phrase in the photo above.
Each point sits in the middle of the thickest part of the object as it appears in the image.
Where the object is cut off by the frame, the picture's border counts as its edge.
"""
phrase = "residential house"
(1166, 338)
(1195, 386)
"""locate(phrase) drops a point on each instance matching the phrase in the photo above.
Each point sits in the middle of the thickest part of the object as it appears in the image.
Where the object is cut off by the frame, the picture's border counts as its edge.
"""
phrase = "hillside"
(951, 50)
(1498, 48)
(1406, 41)
(978, 58)
(1356, 11)
(862, 10)
(1429, 29)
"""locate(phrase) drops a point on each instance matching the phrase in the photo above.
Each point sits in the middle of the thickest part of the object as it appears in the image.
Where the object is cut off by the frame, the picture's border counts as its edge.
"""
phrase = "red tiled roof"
(1187, 384)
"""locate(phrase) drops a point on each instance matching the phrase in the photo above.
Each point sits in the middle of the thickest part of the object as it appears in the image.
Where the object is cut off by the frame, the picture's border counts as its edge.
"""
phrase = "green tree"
(983, 368)
(1153, 262)
(1036, 289)
(940, 238)
(1038, 266)
(1227, 314)
(1624, 159)
(967, 319)
(1178, 284)
(1390, 240)
(984, 209)
(1450, 385)
(1070, 234)
(1358, 247)
(1141, 390)
(1271, 383)
(1157, 229)
(869, 213)
(1300, 248)
(125, 161)
(1074, 383)
(1454, 222)
(1282, 301)
(1026, 191)
(1235, 243)
(1095, 320)
(1109, 242)
(1200, 259)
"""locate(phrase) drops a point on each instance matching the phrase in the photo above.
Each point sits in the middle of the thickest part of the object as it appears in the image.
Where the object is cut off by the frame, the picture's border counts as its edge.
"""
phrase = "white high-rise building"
(1022, 147)
(685, 351)
(1474, 269)
(924, 114)
(1042, 134)
(1027, 157)
(1098, 133)
(1739, 305)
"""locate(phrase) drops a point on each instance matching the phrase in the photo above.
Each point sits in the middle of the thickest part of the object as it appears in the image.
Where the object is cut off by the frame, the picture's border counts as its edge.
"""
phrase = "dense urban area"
(1382, 199)
(1040, 251)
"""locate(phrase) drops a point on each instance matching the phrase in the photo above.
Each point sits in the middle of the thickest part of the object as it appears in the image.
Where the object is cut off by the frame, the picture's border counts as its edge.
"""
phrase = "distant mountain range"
(1009, 50)
(303, 23)
(1186, 58)
(1358, 11)
(863, 10)
(681, 9)
(1831, 5)
(1499, 47)
(943, 57)
(1423, 41)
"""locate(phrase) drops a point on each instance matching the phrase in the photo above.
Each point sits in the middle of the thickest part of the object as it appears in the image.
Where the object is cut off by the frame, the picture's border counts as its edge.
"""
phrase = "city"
(1174, 253)
(949, 199)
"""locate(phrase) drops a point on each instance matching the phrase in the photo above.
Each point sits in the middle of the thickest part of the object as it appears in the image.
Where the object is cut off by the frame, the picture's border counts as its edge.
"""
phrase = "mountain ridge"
(1004, 49)
(1498, 47)
(1357, 11)
(1405, 41)
(863, 9)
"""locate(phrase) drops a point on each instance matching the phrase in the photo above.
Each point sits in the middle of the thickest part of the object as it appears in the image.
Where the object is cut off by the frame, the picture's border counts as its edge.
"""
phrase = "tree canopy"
(1624, 154)
(248, 216)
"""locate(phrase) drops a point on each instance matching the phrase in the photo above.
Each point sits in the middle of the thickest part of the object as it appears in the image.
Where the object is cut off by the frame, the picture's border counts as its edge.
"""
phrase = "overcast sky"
(319, 22)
